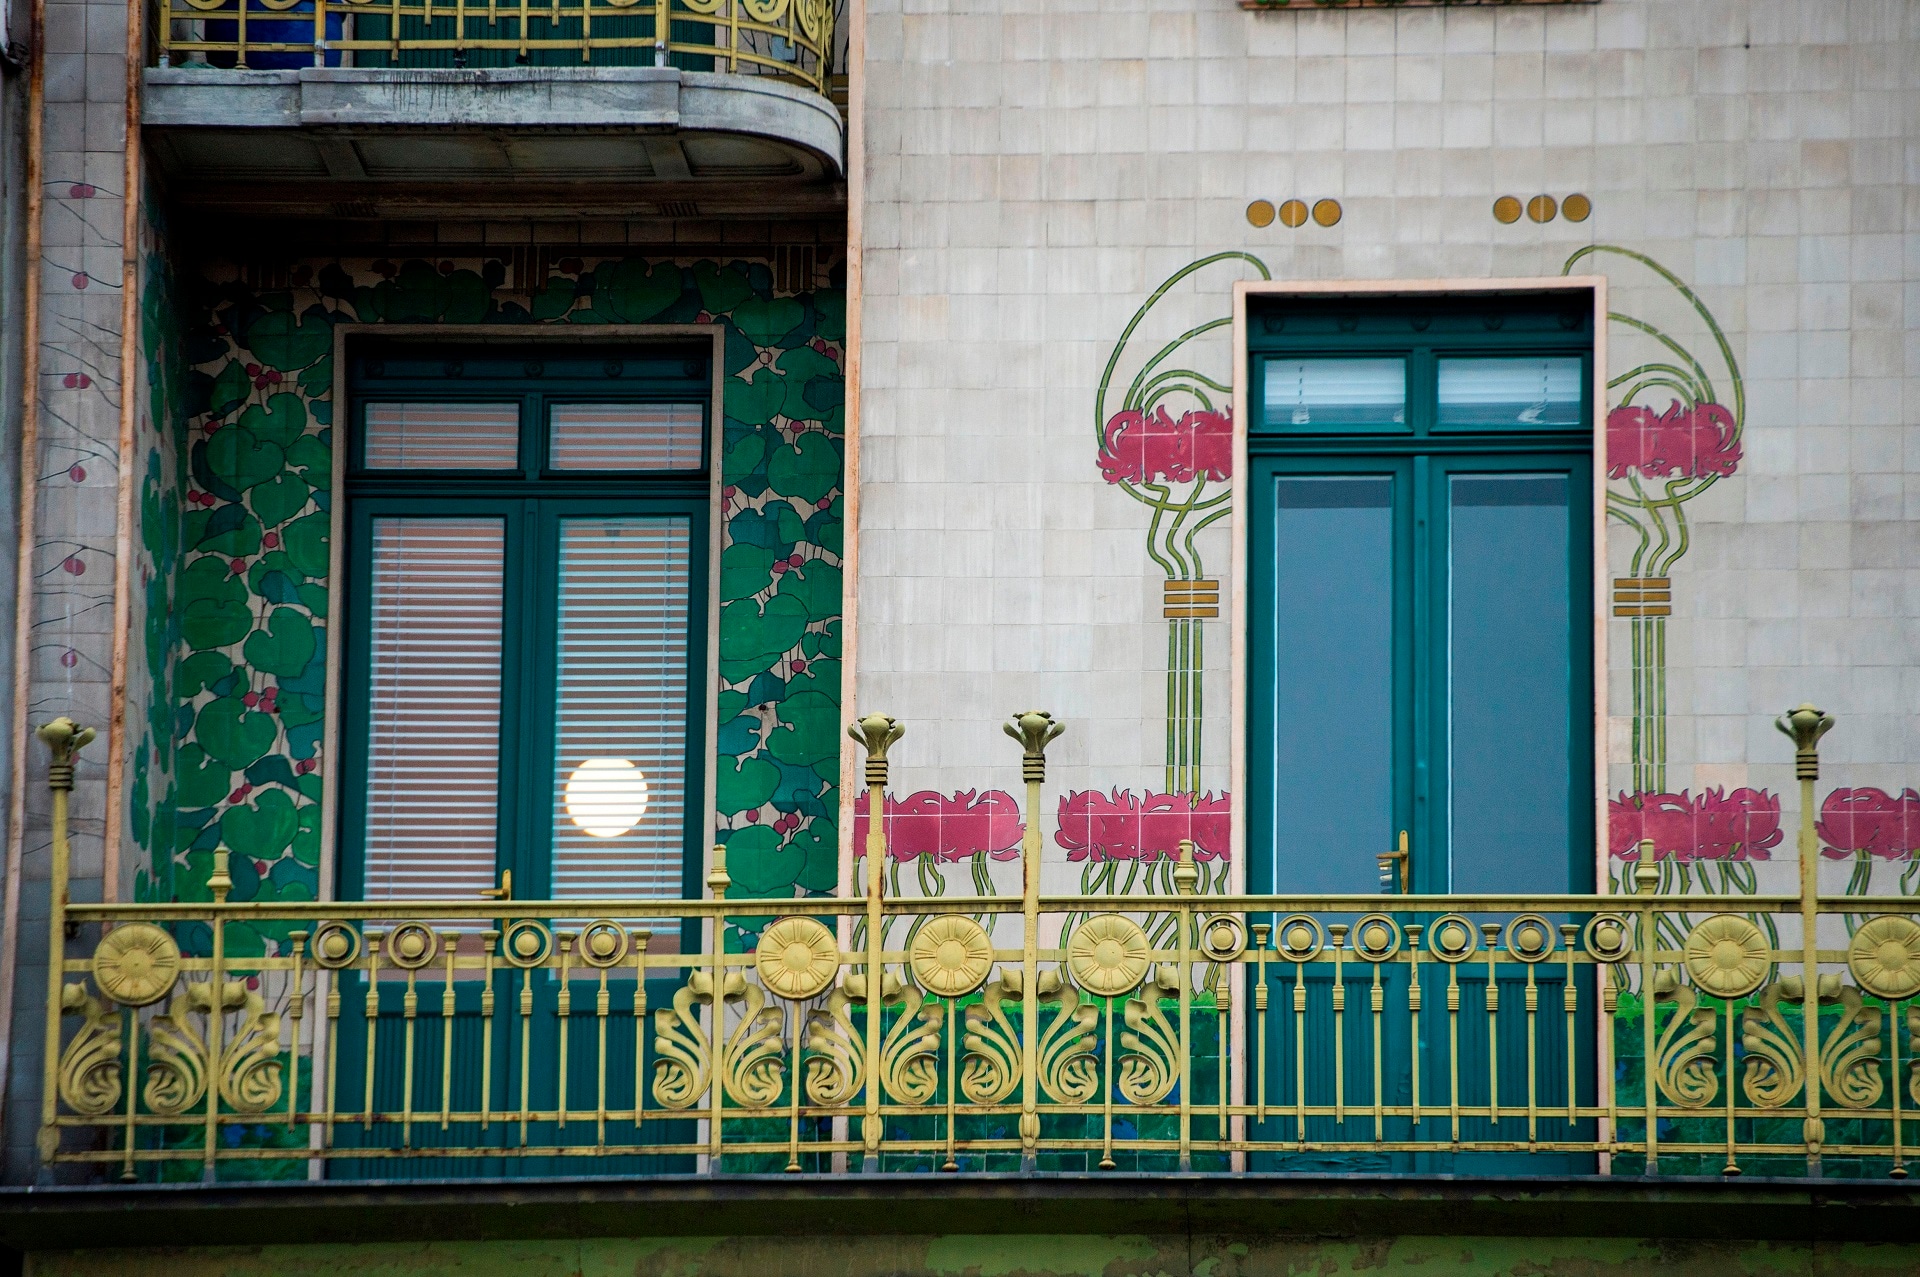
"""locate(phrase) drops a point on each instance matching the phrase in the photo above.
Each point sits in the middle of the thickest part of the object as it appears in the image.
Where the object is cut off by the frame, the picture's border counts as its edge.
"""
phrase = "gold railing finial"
(220, 882)
(64, 739)
(877, 732)
(1806, 725)
(718, 879)
(1185, 873)
(1035, 730)
(1646, 874)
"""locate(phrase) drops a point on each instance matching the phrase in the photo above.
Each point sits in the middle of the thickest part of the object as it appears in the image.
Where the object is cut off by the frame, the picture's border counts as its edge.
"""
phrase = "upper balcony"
(503, 108)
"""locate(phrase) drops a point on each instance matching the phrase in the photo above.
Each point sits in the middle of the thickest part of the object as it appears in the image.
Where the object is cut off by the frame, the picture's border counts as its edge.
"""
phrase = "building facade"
(498, 487)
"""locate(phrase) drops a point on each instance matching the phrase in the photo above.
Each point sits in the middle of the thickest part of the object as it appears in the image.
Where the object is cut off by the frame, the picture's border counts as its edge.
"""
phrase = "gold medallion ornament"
(1108, 955)
(1530, 938)
(1376, 937)
(1727, 956)
(797, 958)
(1452, 938)
(411, 945)
(1608, 938)
(1223, 938)
(335, 945)
(136, 964)
(951, 955)
(1885, 957)
(526, 943)
(1300, 937)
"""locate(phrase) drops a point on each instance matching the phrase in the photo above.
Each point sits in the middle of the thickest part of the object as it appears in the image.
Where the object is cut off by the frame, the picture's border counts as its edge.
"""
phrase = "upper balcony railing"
(790, 39)
(1578, 1034)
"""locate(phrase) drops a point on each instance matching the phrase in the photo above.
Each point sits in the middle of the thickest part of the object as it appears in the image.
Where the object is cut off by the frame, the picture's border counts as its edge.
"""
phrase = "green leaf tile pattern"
(237, 600)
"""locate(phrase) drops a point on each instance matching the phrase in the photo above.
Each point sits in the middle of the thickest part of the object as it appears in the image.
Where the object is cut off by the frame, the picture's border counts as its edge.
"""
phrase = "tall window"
(527, 540)
(1420, 584)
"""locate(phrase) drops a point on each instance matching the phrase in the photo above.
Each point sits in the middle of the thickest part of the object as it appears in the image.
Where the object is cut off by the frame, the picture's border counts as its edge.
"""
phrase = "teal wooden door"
(1419, 676)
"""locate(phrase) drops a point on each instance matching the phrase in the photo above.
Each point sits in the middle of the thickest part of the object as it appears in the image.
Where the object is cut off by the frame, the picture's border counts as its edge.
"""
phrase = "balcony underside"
(514, 142)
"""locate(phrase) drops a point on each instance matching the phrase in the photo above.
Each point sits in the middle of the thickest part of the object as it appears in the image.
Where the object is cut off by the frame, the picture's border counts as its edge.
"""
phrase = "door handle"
(1387, 859)
(502, 892)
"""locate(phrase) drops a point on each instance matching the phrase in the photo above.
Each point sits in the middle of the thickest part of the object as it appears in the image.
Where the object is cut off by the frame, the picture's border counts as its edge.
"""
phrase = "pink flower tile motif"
(1682, 442)
(1123, 825)
(945, 827)
(1152, 447)
(1869, 822)
(1742, 825)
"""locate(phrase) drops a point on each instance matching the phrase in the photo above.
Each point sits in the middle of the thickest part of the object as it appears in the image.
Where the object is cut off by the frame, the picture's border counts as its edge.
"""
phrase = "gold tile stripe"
(1191, 600)
(1642, 596)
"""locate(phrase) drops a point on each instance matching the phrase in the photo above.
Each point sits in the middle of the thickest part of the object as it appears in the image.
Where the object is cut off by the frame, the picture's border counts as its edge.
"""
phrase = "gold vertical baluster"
(1491, 930)
(1378, 1000)
(1453, 1050)
(319, 31)
(1733, 1165)
(1533, 1110)
(1223, 1011)
(460, 32)
(718, 882)
(1899, 1170)
(877, 732)
(659, 40)
(640, 939)
(451, 941)
(220, 884)
(526, 1048)
(1185, 875)
(1337, 935)
(1609, 1006)
(488, 939)
(1261, 930)
(1300, 1054)
(370, 1009)
(409, 1011)
(953, 1101)
(523, 29)
(1647, 877)
(563, 1008)
(794, 1084)
(333, 1055)
(602, 1004)
(1806, 725)
(1570, 1000)
(586, 31)
(132, 1019)
(1413, 1011)
(1035, 730)
(733, 64)
(1108, 1046)
(296, 1009)
(240, 44)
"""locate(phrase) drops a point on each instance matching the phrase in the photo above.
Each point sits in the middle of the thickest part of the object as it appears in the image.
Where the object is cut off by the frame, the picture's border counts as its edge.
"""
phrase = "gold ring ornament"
(1530, 938)
(1223, 938)
(1727, 956)
(1885, 957)
(797, 958)
(1376, 937)
(1451, 938)
(951, 956)
(136, 964)
(1608, 938)
(1108, 955)
(603, 943)
(1300, 937)
(411, 945)
(526, 943)
(335, 945)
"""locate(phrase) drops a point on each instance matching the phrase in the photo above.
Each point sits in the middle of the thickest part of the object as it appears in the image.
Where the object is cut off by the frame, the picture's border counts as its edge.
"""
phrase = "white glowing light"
(606, 796)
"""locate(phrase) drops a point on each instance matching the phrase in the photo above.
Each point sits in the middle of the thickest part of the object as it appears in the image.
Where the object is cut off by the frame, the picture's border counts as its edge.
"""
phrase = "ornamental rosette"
(1108, 955)
(1727, 956)
(797, 958)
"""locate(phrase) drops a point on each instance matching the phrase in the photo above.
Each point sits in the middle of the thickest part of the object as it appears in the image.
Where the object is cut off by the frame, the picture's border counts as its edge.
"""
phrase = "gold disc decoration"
(797, 958)
(1326, 212)
(1108, 955)
(1223, 938)
(1506, 210)
(1530, 938)
(411, 945)
(136, 963)
(951, 955)
(1293, 213)
(526, 943)
(335, 945)
(1300, 937)
(1727, 956)
(603, 943)
(1576, 208)
(1541, 208)
(1376, 937)
(1609, 939)
(1451, 938)
(1885, 957)
(1260, 213)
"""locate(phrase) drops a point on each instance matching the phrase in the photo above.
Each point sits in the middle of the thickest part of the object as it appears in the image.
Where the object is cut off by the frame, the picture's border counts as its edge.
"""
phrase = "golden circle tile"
(1326, 212)
(1506, 210)
(1293, 213)
(1576, 208)
(1541, 208)
(1260, 213)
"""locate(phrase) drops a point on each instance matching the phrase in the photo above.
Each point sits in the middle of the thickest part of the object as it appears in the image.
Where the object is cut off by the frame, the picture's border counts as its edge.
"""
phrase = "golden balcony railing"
(790, 39)
(1557, 1034)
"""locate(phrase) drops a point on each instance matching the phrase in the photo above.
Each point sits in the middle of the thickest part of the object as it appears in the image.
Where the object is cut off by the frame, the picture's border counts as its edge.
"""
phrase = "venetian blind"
(621, 707)
(441, 436)
(433, 740)
(626, 436)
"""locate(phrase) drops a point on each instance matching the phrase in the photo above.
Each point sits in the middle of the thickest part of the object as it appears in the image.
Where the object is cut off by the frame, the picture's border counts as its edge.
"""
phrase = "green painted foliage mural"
(238, 609)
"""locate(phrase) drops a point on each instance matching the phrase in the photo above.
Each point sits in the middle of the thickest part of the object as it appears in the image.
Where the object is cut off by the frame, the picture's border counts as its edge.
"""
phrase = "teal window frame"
(532, 500)
(1421, 330)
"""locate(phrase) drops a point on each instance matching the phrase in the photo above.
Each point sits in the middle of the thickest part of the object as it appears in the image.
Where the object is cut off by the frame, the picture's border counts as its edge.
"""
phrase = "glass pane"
(428, 436)
(626, 436)
(1336, 394)
(1510, 624)
(1510, 393)
(433, 743)
(1333, 680)
(620, 757)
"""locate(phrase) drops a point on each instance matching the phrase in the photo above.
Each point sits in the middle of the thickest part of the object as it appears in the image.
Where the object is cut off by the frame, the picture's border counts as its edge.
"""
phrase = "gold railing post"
(64, 739)
(1646, 880)
(877, 732)
(1035, 730)
(1186, 876)
(1806, 725)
